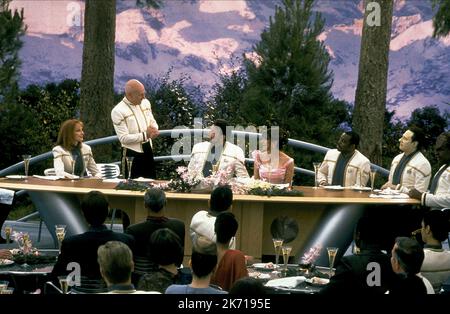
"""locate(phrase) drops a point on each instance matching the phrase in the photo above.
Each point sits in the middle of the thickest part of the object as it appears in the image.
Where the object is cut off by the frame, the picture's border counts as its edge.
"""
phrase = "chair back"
(109, 171)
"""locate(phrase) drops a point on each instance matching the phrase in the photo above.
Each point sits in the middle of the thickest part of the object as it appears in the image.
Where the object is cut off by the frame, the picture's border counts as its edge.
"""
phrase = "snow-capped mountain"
(200, 37)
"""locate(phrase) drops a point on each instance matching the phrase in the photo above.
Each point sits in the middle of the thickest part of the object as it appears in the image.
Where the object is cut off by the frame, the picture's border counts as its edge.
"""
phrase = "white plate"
(334, 187)
(6, 262)
(16, 177)
(363, 188)
(141, 179)
(265, 266)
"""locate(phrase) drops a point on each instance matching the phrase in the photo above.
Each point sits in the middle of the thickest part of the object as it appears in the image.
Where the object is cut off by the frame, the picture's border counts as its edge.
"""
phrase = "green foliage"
(11, 29)
(441, 20)
(31, 124)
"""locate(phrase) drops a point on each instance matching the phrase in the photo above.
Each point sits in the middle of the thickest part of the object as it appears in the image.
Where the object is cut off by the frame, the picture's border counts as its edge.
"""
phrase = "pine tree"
(290, 83)
(11, 29)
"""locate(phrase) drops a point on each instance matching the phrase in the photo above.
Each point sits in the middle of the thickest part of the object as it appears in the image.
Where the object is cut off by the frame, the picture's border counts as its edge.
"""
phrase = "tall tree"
(290, 82)
(97, 75)
(11, 29)
(441, 20)
(370, 98)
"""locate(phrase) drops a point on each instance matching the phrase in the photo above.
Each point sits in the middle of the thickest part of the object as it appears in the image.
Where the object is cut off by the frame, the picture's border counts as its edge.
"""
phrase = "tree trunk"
(97, 76)
(370, 98)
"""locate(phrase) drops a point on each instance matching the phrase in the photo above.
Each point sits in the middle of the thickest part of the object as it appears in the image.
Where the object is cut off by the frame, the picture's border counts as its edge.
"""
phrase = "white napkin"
(6, 196)
(51, 178)
(287, 282)
(113, 180)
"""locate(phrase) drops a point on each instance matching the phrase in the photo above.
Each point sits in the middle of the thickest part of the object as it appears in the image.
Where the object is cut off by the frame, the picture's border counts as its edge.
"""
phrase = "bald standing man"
(136, 127)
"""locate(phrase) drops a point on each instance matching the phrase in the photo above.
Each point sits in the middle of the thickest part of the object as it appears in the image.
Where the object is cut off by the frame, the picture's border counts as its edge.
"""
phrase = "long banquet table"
(324, 216)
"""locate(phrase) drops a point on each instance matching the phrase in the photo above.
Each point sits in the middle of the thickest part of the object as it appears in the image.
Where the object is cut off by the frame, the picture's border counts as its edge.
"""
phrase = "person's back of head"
(408, 255)
(248, 286)
(204, 257)
(155, 199)
(438, 223)
(221, 199)
(367, 232)
(165, 247)
(225, 227)
(116, 262)
(95, 208)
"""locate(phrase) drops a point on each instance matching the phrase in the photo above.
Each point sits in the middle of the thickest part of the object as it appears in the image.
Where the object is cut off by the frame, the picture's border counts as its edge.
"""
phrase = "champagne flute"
(277, 244)
(286, 250)
(26, 164)
(129, 165)
(316, 166)
(64, 284)
(332, 252)
(60, 231)
(373, 173)
(73, 162)
(8, 232)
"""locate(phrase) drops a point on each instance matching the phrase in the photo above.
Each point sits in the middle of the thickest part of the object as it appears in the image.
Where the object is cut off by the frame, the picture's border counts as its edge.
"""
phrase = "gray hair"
(155, 199)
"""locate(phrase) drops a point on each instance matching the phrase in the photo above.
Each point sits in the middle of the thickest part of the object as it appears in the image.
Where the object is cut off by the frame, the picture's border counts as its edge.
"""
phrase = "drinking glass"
(3, 285)
(64, 284)
(26, 164)
(316, 166)
(286, 250)
(73, 162)
(8, 232)
(277, 244)
(129, 165)
(373, 173)
(332, 251)
(60, 231)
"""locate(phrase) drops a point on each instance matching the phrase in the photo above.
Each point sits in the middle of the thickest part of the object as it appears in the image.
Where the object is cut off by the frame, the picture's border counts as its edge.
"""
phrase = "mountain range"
(201, 38)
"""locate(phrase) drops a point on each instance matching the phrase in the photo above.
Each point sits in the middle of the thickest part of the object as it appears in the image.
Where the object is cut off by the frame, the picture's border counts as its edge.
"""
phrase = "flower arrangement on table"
(26, 253)
(308, 259)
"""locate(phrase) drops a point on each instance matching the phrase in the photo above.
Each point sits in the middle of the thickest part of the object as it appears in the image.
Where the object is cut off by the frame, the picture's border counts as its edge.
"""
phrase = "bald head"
(134, 91)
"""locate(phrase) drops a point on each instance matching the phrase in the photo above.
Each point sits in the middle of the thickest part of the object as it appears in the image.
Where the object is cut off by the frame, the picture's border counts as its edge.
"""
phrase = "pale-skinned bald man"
(136, 127)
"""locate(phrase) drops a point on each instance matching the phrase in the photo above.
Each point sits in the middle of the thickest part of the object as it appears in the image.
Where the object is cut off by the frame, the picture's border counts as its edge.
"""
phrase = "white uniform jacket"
(232, 157)
(436, 267)
(417, 173)
(357, 170)
(62, 161)
(131, 122)
(441, 198)
(202, 224)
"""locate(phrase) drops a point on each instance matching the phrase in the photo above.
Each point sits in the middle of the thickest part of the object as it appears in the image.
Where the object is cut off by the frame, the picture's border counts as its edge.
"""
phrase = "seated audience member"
(203, 262)
(410, 169)
(354, 273)
(155, 201)
(116, 264)
(82, 248)
(345, 166)
(438, 196)
(271, 163)
(218, 154)
(436, 264)
(248, 286)
(70, 148)
(231, 264)
(167, 251)
(406, 260)
(202, 223)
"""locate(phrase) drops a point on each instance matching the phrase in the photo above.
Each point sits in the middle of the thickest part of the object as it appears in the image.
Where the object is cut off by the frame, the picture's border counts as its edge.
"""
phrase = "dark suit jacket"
(82, 248)
(142, 232)
(351, 274)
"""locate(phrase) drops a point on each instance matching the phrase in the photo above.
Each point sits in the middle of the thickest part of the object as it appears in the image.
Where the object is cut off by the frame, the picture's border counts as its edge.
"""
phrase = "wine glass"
(332, 251)
(316, 166)
(129, 165)
(64, 284)
(286, 250)
(277, 244)
(8, 232)
(60, 231)
(73, 163)
(26, 164)
(373, 173)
